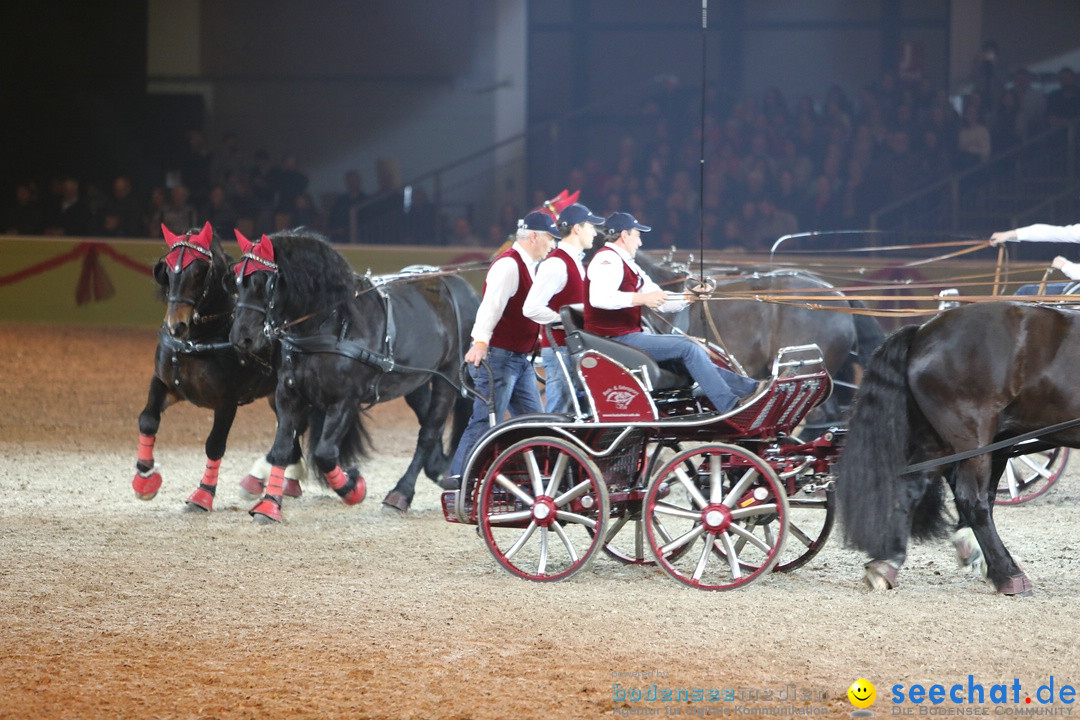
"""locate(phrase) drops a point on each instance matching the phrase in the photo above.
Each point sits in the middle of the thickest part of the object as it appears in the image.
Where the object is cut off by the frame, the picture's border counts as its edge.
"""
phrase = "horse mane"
(314, 274)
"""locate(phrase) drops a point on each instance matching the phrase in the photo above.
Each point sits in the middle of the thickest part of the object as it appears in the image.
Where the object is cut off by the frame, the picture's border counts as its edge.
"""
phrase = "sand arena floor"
(119, 608)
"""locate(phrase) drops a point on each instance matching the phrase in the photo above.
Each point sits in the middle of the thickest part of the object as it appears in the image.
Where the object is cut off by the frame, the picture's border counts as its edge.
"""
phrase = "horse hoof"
(1018, 585)
(396, 501)
(252, 487)
(968, 552)
(146, 486)
(200, 500)
(358, 493)
(880, 575)
(266, 512)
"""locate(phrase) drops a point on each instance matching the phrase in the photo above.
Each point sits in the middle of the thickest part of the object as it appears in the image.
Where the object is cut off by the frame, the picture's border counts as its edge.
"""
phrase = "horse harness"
(183, 246)
(340, 344)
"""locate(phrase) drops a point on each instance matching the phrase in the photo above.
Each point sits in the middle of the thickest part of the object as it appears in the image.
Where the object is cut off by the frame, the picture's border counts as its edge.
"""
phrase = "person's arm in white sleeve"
(550, 279)
(1071, 270)
(1040, 232)
(502, 283)
(672, 305)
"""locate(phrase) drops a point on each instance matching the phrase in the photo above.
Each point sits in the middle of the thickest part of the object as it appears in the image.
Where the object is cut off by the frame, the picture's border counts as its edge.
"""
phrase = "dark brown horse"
(972, 376)
(347, 343)
(754, 331)
(194, 360)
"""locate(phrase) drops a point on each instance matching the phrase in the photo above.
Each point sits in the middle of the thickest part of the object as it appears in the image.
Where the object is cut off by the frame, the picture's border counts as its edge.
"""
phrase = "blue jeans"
(556, 391)
(722, 387)
(516, 391)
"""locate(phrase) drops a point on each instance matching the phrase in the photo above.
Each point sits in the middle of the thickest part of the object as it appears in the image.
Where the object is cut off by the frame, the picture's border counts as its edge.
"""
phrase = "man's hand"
(476, 353)
(1059, 262)
(999, 238)
(652, 299)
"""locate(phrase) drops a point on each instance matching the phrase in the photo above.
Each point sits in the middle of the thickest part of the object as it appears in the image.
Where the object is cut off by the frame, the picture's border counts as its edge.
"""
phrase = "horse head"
(191, 276)
(291, 281)
(256, 276)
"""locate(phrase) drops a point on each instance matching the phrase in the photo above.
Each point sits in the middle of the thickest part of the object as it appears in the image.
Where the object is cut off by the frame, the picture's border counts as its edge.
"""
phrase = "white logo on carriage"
(621, 396)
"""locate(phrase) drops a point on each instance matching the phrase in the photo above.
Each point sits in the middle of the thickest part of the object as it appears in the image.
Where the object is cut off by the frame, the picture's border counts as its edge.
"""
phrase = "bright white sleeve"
(550, 279)
(502, 283)
(1049, 233)
(1071, 270)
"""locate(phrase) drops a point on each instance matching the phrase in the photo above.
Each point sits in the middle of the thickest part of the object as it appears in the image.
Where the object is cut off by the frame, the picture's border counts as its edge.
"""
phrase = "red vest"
(514, 331)
(612, 323)
(573, 293)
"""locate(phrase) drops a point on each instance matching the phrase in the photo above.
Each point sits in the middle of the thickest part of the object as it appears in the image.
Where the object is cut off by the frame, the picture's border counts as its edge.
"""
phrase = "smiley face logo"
(862, 693)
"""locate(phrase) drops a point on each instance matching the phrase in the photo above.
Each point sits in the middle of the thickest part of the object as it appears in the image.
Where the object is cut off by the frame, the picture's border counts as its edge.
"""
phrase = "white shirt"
(1054, 233)
(549, 281)
(501, 284)
(606, 277)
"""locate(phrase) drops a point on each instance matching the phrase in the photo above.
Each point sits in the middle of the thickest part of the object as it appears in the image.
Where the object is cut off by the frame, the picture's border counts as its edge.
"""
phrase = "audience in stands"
(773, 165)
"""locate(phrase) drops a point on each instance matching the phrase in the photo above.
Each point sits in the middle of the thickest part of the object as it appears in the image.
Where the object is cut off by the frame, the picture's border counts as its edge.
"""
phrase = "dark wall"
(73, 91)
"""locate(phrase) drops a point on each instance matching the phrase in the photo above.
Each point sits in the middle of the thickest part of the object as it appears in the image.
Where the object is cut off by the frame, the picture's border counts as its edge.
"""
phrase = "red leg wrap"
(292, 487)
(275, 484)
(146, 450)
(210, 475)
(336, 479)
(270, 505)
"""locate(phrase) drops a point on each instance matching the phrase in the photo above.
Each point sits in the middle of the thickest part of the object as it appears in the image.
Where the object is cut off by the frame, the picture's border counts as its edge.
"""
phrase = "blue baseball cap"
(617, 222)
(578, 213)
(539, 221)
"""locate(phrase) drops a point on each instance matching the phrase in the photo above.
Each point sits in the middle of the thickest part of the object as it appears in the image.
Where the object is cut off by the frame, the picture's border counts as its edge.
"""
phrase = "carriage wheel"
(716, 517)
(810, 521)
(543, 508)
(1026, 477)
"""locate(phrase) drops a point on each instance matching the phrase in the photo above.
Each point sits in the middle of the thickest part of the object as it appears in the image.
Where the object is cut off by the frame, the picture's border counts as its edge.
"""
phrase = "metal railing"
(997, 194)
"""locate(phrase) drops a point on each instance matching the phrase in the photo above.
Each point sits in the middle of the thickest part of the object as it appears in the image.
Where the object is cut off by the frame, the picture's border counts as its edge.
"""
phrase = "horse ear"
(205, 236)
(266, 248)
(170, 238)
(245, 244)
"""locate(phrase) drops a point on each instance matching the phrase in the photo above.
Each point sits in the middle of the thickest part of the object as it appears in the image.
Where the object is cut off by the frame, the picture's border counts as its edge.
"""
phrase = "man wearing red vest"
(615, 291)
(503, 336)
(560, 280)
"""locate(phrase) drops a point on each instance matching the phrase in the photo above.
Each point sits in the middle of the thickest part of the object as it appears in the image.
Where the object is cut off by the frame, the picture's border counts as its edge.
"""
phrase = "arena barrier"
(108, 281)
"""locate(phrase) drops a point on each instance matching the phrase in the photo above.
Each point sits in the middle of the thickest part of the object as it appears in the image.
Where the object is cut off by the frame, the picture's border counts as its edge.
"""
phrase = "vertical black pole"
(701, 193)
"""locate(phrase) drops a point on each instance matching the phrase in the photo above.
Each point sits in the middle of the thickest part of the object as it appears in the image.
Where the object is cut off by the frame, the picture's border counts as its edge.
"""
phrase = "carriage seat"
(661, 377)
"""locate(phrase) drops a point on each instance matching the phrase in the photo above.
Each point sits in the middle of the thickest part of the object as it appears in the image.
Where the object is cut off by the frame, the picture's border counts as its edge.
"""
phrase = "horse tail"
(870, 488)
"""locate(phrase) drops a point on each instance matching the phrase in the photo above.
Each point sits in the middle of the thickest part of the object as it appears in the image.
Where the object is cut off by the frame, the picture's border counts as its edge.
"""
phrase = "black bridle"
(198, 303)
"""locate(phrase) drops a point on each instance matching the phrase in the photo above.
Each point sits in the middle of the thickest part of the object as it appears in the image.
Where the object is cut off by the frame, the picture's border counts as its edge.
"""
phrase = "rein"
(957, 457)
(353, 349)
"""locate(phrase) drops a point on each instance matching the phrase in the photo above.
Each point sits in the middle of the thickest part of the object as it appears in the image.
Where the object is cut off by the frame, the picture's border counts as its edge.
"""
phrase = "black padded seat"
(578, 341)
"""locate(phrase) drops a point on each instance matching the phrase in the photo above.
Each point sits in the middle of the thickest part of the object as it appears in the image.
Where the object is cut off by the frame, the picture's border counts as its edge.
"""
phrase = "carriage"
(643, 474)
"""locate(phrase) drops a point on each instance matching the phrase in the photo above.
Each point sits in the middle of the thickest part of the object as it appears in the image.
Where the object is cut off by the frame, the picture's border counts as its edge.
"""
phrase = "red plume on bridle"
(255, 256)
(560, 202)
(199, 244)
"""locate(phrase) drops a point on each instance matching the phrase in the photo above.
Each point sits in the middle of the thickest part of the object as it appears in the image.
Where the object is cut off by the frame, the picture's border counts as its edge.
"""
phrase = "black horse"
(970, 378)
(347, 342)
(194, 360)
(753, 331)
